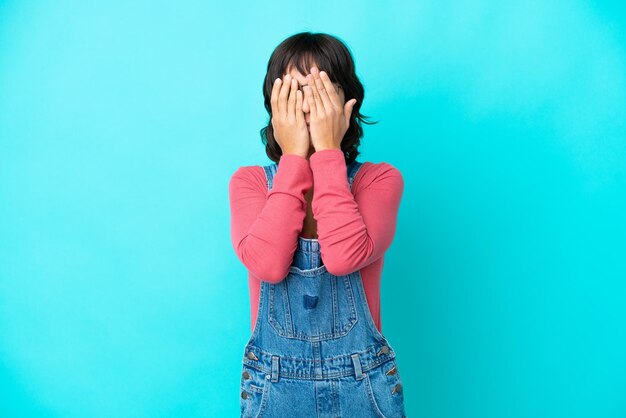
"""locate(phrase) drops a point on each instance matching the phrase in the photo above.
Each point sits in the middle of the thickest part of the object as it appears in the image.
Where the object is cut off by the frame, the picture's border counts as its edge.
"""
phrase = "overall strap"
(270, 170)
(353, 168)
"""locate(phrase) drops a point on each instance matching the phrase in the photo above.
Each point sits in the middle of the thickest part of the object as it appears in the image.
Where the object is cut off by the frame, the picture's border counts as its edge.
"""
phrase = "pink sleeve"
(353, 231)
(265, 226)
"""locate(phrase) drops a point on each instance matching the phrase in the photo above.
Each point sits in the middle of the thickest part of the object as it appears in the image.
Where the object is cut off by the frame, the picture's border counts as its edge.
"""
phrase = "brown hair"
(333, 57)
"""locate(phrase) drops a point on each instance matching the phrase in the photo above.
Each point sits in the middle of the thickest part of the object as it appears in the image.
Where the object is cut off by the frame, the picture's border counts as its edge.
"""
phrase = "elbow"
(338, 267)
(340, 263)
(270, 272)
(265, 267)
(338, 272)
(273, 276)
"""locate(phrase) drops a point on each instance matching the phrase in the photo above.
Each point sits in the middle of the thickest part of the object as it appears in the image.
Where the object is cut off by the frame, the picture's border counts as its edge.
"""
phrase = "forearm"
(353, 231)
(265, 226)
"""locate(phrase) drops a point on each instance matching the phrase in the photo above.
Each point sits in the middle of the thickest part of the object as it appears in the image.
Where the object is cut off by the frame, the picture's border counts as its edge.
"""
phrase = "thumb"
(347, 109)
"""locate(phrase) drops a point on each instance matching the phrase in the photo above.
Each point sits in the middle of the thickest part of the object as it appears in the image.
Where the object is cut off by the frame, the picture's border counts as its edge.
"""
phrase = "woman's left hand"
(330, 117)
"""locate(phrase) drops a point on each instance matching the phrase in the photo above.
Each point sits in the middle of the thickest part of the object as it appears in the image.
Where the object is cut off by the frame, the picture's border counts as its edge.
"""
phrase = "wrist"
(296, 153)
(327, 147)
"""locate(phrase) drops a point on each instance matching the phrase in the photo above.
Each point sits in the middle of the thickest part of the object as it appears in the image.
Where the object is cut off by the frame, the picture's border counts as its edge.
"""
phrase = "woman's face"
(302, 81)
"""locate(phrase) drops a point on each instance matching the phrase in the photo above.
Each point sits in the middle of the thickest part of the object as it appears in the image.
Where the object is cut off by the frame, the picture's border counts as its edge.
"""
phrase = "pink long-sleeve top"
(354, 228)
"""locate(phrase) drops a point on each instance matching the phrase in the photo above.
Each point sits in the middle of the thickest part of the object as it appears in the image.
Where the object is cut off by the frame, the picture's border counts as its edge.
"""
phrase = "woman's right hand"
(290, 130)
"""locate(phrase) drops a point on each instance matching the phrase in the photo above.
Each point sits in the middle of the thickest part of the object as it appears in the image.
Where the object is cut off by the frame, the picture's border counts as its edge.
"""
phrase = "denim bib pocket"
(312, 308)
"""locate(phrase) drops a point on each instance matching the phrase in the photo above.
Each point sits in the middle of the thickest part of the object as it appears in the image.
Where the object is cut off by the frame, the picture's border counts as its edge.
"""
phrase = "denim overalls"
(315, 350)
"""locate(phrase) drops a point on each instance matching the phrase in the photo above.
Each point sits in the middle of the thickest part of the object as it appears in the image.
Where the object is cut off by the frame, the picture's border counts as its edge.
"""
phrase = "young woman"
(312, 229)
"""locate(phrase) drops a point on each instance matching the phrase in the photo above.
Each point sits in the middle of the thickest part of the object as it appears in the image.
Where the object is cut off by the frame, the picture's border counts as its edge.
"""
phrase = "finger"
(291, 107)
(331, 91)
(284, 93)
(319, 105)
(348, 110)
(299, 112)
(274, 98)
(321, 89)
(308, 93)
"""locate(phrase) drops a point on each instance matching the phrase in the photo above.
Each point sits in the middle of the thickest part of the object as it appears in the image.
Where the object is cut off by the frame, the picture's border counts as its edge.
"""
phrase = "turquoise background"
(121, 123)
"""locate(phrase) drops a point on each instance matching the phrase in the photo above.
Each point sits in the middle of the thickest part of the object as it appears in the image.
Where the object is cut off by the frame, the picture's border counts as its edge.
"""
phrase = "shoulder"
(382, 174)
(249, 176)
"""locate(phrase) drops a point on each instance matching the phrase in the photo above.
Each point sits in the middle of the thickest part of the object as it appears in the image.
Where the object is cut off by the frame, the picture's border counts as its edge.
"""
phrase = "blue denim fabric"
(315, 350)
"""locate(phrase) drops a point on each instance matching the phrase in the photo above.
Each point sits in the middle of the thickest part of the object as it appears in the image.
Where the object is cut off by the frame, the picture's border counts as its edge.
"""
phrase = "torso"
(309, 227)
